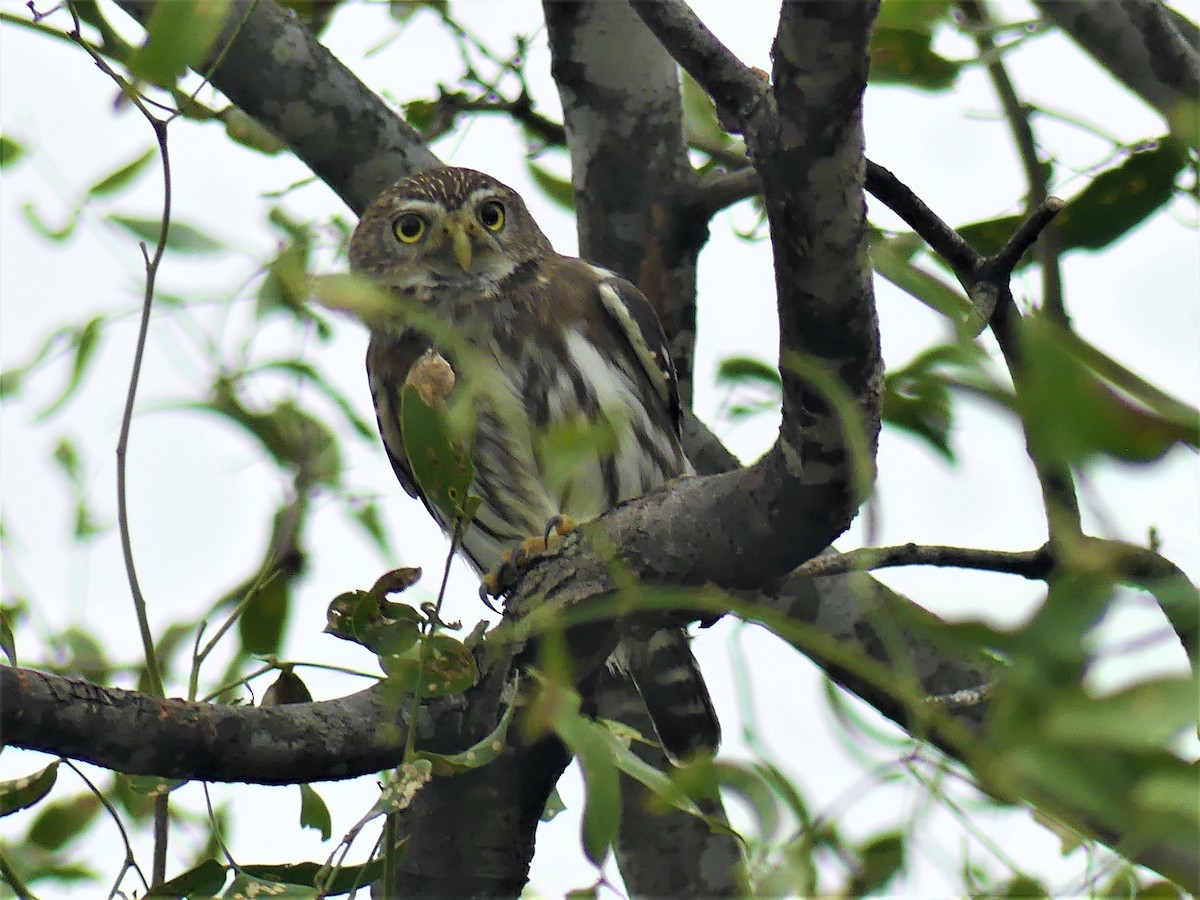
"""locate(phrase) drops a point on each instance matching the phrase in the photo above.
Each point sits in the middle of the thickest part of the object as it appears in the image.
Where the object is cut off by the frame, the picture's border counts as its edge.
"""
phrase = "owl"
(546, 347)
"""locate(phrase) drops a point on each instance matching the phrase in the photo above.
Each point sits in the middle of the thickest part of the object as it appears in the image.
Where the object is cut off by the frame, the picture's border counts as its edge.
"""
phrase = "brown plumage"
(545, 346)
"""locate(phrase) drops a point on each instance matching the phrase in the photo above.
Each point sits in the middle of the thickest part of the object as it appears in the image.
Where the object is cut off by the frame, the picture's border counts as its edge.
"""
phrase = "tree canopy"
(927, 264)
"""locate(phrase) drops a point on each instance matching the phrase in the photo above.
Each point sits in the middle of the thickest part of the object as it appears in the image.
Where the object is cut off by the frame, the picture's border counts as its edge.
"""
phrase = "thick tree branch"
(138, 734)
(662, 851)
(272, 67)
(739, 93)
(847, 608)
(807, 146)
(1138, 41)
(629, 167)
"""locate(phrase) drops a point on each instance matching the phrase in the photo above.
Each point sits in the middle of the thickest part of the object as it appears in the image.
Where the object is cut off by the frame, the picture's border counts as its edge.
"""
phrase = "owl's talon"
(488, 589)
(560, 526)
(504, 577)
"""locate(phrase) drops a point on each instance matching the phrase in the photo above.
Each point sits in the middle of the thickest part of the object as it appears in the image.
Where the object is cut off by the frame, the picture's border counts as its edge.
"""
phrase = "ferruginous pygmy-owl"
(555, 343)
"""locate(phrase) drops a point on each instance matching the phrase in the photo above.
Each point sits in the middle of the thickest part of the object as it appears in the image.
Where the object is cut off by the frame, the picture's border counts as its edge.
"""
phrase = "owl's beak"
(460, 241)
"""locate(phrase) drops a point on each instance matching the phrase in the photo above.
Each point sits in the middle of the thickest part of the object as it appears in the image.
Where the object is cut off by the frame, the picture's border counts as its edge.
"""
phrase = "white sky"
(200, 498)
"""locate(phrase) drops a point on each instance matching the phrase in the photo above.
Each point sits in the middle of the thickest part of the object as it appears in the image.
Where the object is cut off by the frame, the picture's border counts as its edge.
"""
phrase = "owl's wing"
(389, 359)
(642, 331)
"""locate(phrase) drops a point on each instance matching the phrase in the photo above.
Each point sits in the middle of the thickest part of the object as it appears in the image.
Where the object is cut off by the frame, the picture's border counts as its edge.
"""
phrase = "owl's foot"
(503, 578)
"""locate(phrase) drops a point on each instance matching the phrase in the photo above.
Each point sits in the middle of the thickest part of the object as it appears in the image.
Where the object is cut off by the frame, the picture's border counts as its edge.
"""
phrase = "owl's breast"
(557, 429)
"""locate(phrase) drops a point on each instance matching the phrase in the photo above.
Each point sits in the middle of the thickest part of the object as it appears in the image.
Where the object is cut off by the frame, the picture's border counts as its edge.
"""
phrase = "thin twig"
(130, 861)
(152, 263)
(1048, 249)
(153, 674)
(947, 243)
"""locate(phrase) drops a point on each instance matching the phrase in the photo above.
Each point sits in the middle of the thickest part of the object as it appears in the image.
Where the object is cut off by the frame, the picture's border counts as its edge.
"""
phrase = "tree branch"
(272, 67)
(740, 94)
(630, 172)
(629, 166)
(1029, 564)
(1036, 174)
(1139, 43)
(807, 147)
(135, 733)
(662, 851)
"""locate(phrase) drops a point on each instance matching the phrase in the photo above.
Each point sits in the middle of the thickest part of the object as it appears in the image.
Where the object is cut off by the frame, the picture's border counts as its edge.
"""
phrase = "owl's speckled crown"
(448, 185)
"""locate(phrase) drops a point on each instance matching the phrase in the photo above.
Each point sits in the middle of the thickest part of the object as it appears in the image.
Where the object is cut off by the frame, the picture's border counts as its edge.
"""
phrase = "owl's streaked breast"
(552, 438)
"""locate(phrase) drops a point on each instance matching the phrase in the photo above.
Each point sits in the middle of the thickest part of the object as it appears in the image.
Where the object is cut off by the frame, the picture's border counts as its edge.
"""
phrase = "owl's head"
(445, 227)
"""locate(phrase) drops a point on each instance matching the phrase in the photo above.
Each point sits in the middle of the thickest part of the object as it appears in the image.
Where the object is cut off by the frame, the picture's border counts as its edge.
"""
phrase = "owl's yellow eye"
(410, 228)
(491, 214)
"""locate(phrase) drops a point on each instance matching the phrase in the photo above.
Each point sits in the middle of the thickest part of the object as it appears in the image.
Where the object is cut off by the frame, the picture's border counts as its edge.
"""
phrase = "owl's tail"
(668, 678)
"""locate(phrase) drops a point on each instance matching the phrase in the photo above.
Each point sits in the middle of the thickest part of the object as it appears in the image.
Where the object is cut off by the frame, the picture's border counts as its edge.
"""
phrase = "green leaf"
(203, 880)
(449, 667)
(10, 151)
(59, 823)
(700, 115)
(747, 784)
(309, 375)
(1146, 716)
(1159, 890)
(1172, 792)
(152, 785)
(1114, 203)
(475, 756)
(1119, 199)
(566, 445)
(294, 437)
(892, 258)
(440, 464)
(906, 57)
(246, 887)
(261, 625)
(85, 656)
(248, 132)
(1022, 887)
(588, 742)
(85, 340)
(1073, 415)
(699, 777)
(554, 805)
(914, 15)
(556, 188)
(287, 688)
(353, 294)
(178, 36)
(916, 399)
(880, 859)
(57, 235)
(8, 642)
(67, 458)
(419, 113)
(366, 514)
(344, 881)
(21, 793)
(121, 176)
(743, 370)
(390, 629)
(314, 813)
(181, 238)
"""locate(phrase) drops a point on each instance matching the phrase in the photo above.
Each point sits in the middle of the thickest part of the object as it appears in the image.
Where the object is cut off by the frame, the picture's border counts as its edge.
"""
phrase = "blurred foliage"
(1113, 756)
